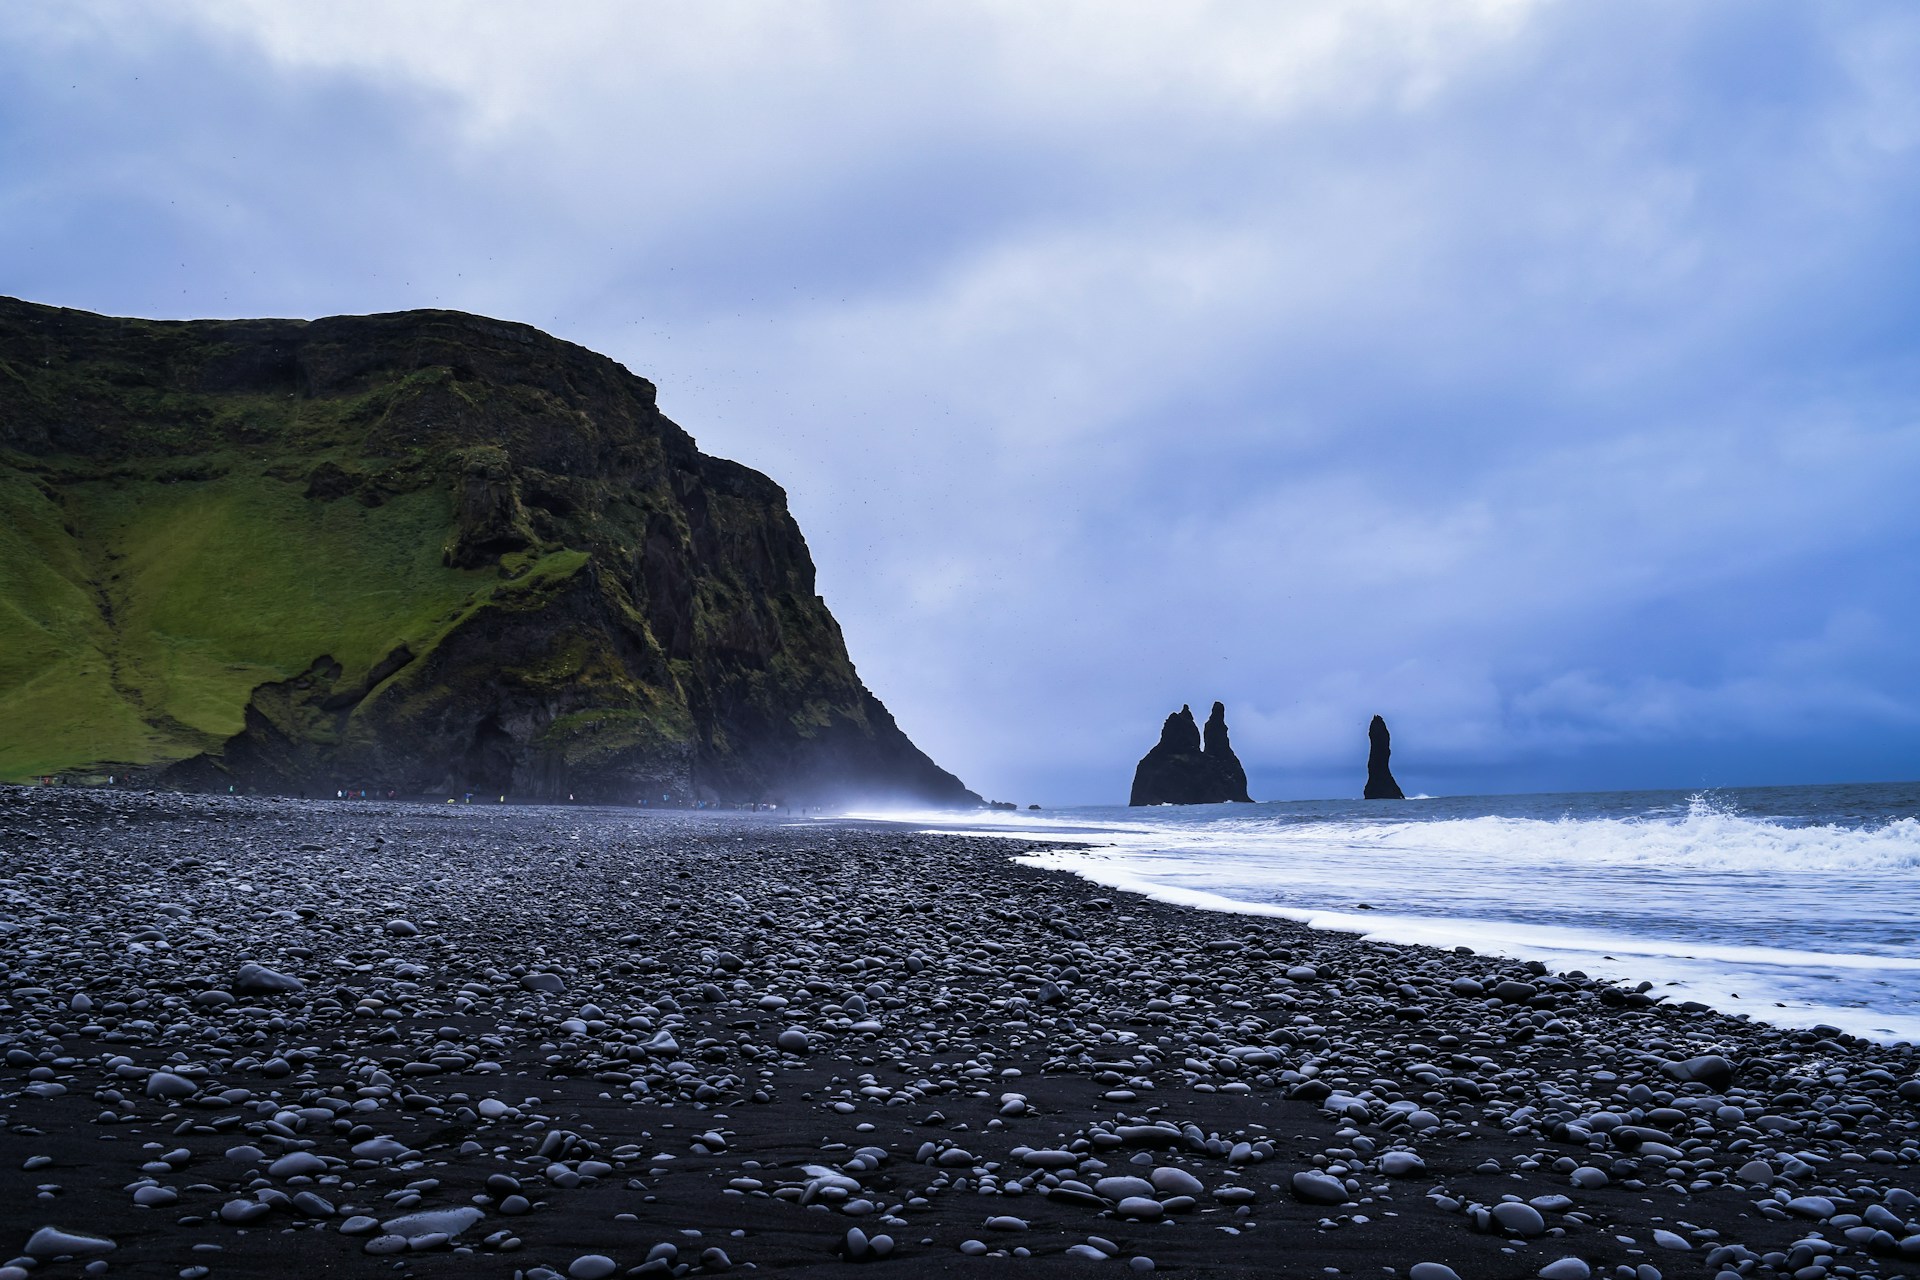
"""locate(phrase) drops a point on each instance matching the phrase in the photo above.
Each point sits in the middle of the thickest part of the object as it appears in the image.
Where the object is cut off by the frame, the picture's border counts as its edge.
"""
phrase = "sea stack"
(1181, 770)
(1380, 783)
(1228, 776)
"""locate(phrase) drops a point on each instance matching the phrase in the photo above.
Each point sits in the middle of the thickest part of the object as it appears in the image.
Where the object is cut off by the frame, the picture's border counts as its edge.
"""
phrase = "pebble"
(1319, 1188)
(1711, 1070)
(1401, 1164)
(258, 980)
(1119, 1188)
(52, 1242)
(1521, 1219)
(314, 1206)
(1050, 1159)
(1818, 1207)
(592, 1266)
(165, 1084)
(1431, 1271)
(449, 1222)
(297, 1164)
(688, 1008)
(1565, 1269)
(1176, 1182)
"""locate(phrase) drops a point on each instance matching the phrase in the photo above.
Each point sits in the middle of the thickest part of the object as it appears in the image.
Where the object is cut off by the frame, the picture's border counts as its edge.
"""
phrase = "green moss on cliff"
(56, 677)
(600, 733)
(405, 550)
(141, 614)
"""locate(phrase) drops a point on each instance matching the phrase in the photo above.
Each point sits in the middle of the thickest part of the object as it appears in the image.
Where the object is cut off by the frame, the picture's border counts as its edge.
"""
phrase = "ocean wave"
(1706, 837)
(1705, 833)
(1797, 917)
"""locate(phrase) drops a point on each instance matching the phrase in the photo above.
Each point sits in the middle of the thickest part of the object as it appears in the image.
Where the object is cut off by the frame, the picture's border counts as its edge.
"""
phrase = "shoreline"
(1781, 985)
(727, 1023)
(1553, 950)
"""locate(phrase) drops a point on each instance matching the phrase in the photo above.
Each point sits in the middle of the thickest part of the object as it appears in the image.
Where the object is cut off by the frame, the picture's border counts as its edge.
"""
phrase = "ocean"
(1793, 905)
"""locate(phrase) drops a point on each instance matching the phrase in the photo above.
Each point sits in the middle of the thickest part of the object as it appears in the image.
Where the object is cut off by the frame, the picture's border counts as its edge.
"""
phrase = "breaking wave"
(1799, 906)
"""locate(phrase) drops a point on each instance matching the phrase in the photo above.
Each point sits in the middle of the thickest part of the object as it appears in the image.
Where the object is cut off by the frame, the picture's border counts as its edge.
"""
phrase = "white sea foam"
(1795, 918)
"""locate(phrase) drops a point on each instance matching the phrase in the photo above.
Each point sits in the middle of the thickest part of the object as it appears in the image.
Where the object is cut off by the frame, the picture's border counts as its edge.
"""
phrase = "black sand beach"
(251, 1037)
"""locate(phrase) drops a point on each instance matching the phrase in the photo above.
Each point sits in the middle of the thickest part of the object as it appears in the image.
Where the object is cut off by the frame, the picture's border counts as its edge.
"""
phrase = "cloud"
(1538, 375)
(1072, 59)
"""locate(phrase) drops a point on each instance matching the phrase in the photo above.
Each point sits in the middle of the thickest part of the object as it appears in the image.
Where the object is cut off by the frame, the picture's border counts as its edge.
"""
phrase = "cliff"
(425, 552)
(1180, 769)
(1380, 783)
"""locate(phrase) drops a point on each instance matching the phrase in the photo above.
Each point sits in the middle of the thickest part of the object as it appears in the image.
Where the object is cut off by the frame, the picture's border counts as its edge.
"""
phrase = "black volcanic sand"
(555, 1041)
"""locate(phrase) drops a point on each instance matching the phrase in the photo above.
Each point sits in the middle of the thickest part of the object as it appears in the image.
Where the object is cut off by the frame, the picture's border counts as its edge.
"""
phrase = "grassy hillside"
(140, 615)
(57, 694)
(423, 551)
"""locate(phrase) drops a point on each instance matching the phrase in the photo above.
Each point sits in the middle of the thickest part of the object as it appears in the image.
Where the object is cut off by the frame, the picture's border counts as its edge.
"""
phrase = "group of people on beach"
(666, 800)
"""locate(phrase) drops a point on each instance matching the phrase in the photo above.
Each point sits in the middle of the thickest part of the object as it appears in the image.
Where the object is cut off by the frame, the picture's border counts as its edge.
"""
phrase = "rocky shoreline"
(245, 1036)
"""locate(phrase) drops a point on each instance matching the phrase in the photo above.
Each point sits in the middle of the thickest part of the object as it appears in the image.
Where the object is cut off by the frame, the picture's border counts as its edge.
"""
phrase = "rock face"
(423, 552)
(1180, 770)
(1380, 783)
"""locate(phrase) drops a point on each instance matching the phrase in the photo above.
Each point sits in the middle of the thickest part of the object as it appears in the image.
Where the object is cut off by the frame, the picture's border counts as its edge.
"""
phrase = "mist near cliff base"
(1539, 377)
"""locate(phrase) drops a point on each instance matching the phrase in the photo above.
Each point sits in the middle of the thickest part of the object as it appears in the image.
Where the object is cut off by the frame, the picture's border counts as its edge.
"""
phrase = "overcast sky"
(1541, 376)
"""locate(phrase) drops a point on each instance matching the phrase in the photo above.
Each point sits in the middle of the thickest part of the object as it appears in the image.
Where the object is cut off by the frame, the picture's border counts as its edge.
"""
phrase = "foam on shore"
(1794, 921)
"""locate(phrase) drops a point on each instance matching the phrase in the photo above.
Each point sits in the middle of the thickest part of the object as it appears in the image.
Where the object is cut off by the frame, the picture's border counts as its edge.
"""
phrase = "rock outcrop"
(1229, 778)
(1380, 783)
(1184, 769)
(424, 552)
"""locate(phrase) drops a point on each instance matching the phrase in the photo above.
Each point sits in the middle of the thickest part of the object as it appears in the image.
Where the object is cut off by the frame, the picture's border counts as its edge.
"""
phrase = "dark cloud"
(1539, 376)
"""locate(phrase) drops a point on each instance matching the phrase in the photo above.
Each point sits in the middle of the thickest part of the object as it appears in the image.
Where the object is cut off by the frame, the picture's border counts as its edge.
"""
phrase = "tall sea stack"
(1380, 783)
(1228, 776)
(1180, 770)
